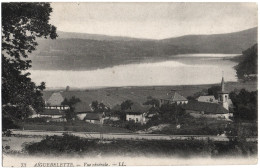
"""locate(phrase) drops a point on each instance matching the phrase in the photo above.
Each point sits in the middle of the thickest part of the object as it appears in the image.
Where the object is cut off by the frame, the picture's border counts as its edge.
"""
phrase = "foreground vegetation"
(69, 144)
(78, 126)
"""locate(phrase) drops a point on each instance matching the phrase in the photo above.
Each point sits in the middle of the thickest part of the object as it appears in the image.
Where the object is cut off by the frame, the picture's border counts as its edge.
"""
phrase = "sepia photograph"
(92, 84)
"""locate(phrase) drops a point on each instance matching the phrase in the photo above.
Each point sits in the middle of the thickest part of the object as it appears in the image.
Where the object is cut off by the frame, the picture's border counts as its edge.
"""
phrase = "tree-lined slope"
(78, 51)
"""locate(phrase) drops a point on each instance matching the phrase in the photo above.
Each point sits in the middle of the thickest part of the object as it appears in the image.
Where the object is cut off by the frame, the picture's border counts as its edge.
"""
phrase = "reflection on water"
(179, 71)
(210, 55)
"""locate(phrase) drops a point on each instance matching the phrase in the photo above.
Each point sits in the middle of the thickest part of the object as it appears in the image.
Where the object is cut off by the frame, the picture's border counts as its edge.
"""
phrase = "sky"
(153, 20)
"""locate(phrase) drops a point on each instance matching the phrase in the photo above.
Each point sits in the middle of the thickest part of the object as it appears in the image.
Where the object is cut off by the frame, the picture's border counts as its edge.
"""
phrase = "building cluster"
(204, 106)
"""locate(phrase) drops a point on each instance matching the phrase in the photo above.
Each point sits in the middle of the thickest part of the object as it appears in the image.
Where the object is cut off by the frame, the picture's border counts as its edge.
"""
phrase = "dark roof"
(82, 107)
(174, 96)
(89, 96)
(134, 113)
(210, 108)
(52, 112)
(223, 92)
(93, 116)
(138, 108)
(135, 108)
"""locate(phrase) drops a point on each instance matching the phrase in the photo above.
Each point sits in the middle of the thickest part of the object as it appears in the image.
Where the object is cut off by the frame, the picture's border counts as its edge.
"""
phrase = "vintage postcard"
(129, 84)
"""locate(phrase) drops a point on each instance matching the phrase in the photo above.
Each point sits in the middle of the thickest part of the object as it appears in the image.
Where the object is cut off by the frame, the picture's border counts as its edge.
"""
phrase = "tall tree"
(245, 104)
(214, 90)
(22, 23)
(126, 104)
(70, 113)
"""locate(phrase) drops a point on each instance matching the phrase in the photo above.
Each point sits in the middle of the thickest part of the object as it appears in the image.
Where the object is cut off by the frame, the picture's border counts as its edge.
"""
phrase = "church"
(219, 109)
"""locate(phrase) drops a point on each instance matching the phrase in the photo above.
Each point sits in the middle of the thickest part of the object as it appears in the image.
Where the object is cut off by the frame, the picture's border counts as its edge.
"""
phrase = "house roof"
(110, 97)
(138, 108)
(207, 108)
(52, 112)
(82, 107)
(93, 116)
(134, 113)
(173, 96)
(209, 98)
(87, 97)
(55, 99)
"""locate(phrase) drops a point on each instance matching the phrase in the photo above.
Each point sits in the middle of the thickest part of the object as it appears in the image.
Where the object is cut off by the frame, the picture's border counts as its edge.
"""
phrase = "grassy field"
(77, 127)
(116, 95)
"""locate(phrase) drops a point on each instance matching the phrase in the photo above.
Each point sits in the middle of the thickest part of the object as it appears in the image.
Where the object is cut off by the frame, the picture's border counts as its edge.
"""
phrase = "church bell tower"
(223, 96)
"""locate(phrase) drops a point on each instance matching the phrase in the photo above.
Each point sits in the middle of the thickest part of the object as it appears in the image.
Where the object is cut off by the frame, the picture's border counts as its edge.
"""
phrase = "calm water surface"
(181, 70)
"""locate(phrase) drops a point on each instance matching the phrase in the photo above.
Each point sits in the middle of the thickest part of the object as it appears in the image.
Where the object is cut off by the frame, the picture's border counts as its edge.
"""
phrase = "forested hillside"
(76, 51)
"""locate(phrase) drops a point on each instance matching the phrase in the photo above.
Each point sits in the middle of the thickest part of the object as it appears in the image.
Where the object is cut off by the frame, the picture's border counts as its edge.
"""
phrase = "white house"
(137, 113)
(95, 118)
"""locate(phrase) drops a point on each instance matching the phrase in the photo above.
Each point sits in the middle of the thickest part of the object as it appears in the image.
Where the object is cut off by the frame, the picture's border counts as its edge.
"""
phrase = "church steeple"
(223, 96)
(222, 85)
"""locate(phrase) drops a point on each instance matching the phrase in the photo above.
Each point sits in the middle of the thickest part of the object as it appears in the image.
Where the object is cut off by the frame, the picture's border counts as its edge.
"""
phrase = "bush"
(8, 133)
(8, 123)
(69, 144)
(59, 144)
(131, 125)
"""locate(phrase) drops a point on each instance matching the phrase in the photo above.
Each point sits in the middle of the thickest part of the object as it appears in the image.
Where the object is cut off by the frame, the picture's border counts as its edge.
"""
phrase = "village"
(129, 84)
(203, 107)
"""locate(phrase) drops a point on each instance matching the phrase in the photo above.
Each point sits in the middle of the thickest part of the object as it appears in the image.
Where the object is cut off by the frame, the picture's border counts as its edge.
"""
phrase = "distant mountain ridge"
(233, 43)
(100, 37)
(80, 51)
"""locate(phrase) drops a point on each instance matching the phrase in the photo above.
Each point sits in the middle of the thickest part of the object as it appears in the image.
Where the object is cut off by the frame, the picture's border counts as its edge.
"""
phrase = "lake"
(186, 69)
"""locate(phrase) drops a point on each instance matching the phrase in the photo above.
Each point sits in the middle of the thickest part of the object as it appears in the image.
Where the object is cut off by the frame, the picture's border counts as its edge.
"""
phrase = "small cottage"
(137, 113)
(95, 118)
(81, 109)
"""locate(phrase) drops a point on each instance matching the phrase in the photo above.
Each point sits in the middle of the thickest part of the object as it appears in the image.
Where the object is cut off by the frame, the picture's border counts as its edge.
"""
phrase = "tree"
(70, 113)
(245, 104)
(22, 23)
(126, 104)
(170, 113)
(154, 102)
(94, 105)
(214, 90)
(247, 68)
(67, 88)
(99, 107)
